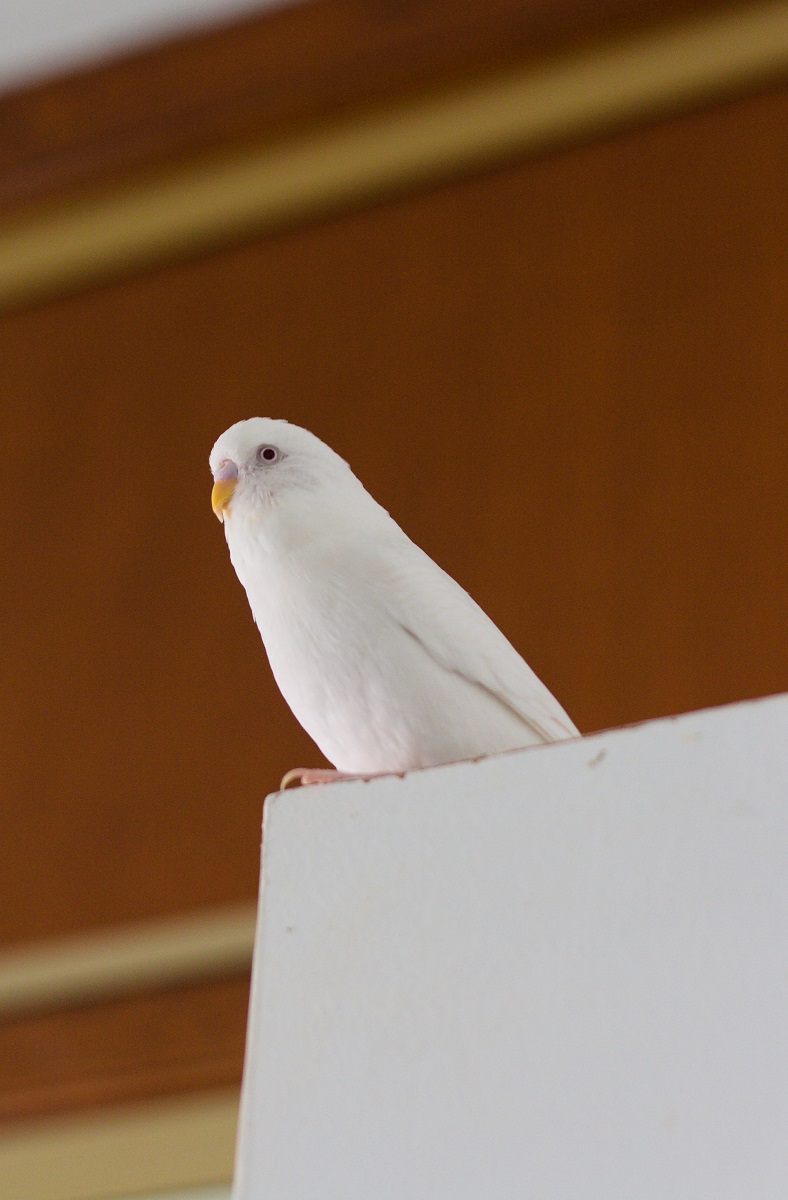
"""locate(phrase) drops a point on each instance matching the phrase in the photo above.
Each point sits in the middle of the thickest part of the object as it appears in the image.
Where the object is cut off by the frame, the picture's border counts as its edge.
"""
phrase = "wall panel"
(567, 380)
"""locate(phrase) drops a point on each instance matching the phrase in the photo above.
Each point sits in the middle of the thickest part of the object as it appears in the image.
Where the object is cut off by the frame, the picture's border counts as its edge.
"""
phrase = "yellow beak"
(222, 495)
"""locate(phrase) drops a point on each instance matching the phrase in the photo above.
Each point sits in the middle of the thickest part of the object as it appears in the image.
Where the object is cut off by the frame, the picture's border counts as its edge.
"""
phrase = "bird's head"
(264, 462)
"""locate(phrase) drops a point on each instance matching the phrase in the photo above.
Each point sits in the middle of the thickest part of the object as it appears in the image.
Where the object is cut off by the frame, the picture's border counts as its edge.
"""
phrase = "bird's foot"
(303, 776)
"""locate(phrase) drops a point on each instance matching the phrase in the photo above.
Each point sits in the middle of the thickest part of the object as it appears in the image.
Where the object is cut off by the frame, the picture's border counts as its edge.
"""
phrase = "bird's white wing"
(458, 635)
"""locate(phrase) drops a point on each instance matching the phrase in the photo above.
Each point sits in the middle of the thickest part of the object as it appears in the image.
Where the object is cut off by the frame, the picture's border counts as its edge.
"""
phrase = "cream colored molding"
(356, 160)
(154, 1147)
(117, 961)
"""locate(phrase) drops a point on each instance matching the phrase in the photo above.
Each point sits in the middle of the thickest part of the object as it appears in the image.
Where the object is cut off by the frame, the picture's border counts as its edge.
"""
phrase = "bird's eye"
(268, 454)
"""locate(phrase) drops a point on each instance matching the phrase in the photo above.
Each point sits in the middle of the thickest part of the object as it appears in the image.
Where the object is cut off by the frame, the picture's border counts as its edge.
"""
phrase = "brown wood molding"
(127, 1050)
(125, 1014)
(161, 1146)
(367, 154)
(119, 961)
(272, 73)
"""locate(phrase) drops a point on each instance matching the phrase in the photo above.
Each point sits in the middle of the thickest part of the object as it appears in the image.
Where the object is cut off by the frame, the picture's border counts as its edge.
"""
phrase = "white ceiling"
(43, 37)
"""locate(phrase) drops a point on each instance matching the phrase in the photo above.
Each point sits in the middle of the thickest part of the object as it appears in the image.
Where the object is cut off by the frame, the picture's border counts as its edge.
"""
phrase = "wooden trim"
(263, 75)
(115, 962)
(134, 1048)
(155, 1147)
(361, 158)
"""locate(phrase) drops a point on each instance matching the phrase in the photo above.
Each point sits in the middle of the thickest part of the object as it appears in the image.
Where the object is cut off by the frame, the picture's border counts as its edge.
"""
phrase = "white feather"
(384, 659)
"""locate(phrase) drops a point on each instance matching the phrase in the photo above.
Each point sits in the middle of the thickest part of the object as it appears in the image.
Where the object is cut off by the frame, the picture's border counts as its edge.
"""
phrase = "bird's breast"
(365, 689)
(333, 650)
